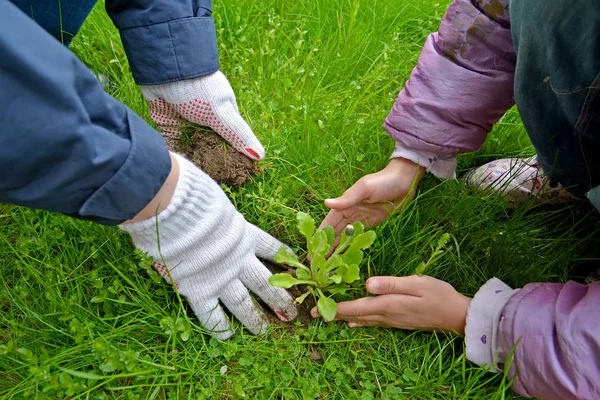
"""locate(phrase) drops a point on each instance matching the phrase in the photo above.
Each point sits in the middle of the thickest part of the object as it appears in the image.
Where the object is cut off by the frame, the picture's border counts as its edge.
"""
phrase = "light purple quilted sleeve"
(558, 332)
(553, 331)
(462, 84)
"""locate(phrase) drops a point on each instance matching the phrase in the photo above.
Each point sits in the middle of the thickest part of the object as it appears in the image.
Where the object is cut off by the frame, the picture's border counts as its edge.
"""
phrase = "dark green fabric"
(557, 86)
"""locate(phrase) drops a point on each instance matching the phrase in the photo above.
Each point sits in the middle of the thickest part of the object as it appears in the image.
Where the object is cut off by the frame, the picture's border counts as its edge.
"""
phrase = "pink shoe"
(517, 180)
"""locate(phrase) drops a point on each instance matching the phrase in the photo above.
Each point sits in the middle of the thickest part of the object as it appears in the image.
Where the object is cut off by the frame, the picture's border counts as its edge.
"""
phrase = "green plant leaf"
(25, 353)
(300, 299)
(302, 274)
(317, 245)
(353, 256)
(342, 270)
(344, 243)
(444, 239)
(98, 299)
(363, 241)
(421, 268)
(185, 335)
(337, 279)
(352, 274)
(283, 256)
(327, 308)
(359, 228)
(319, 270)
(338, 289)
(330, 232)
(285, 281)
(246, 359)
(333, 262)
(409, 375)
(81, 374)
(306, 225)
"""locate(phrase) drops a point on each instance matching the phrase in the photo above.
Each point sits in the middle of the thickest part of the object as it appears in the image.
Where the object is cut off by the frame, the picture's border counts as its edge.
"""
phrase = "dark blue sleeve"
(66, 145)
(166, 40)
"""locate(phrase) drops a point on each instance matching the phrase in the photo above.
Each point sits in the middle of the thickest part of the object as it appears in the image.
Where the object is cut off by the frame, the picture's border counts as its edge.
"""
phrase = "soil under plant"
(295, 291)
(218, 159)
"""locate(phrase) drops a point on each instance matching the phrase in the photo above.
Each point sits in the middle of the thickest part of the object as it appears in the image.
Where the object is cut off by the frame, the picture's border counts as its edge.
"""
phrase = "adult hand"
(373, 198)
(413, 302)
(206, 249)
(207, 101)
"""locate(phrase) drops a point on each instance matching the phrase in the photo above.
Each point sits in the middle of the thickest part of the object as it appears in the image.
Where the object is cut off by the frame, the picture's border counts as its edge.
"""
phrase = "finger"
(238, 301)
(256, 278)
(357, 324)
(167, 120)
(335, 219)
(212, 318)
(413, 285)
(225, 120)
(266, 245)
(351, 197)
(357, 309)
(232, 127)
(358, 320)
(371, 320)
(163, 113)
(171, 136)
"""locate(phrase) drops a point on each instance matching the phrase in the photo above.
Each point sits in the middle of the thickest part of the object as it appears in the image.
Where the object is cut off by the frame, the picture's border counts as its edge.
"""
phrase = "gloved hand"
(208, 101)
(210, 252)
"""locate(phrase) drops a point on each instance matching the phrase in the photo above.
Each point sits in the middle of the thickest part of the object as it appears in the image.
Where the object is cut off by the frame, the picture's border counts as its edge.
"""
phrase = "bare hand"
(373, 198)
(412, 302)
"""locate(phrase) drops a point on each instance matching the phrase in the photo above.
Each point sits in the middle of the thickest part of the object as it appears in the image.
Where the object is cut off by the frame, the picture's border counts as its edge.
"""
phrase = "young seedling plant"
(436, 253)
(332, 275)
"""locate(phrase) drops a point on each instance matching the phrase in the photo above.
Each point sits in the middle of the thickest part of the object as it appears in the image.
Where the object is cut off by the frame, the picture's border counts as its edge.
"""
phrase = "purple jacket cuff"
(441, 165)
(483, 319)
(555, 329)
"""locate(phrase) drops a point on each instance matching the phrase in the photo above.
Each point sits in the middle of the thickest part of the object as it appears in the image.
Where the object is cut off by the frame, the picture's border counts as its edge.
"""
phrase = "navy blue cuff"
(172, 51)
(138, 180)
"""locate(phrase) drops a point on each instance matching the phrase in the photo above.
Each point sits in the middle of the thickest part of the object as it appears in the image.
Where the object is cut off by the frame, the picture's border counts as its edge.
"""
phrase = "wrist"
(162, 199)
(406, 167)
(460, 319)
(441, 165)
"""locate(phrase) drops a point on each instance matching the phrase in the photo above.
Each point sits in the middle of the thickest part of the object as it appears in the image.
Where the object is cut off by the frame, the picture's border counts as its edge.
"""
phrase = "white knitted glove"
(208, 101)
(211, 254)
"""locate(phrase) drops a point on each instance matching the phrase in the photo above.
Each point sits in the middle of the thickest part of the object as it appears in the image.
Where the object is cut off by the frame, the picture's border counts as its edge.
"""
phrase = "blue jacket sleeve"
(166, 40)
(66, 145)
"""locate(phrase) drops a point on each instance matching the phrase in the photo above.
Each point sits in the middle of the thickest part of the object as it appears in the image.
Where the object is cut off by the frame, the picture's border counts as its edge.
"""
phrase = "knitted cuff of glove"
(194, 195)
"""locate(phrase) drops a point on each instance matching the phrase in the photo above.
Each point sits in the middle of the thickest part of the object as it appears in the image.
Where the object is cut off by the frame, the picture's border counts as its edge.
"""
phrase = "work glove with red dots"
(207, 101)
(206, 249)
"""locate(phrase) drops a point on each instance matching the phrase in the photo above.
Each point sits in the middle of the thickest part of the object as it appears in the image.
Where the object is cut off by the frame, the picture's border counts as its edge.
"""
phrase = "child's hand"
(413, 302)
(373, 198)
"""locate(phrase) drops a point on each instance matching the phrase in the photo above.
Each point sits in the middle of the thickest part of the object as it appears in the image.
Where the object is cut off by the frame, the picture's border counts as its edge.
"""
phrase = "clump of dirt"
(217, 158)
(304, 316)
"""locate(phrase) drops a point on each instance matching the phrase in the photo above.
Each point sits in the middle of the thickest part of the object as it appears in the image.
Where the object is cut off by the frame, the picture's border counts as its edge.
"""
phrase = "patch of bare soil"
(217, 158)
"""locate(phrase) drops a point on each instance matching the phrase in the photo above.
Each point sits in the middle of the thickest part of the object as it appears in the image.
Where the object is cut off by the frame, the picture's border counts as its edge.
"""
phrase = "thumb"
(266, 245)
(351, 197)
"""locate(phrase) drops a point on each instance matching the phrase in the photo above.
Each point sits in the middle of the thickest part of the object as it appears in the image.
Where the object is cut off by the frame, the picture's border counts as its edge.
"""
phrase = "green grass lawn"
(84, 317)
